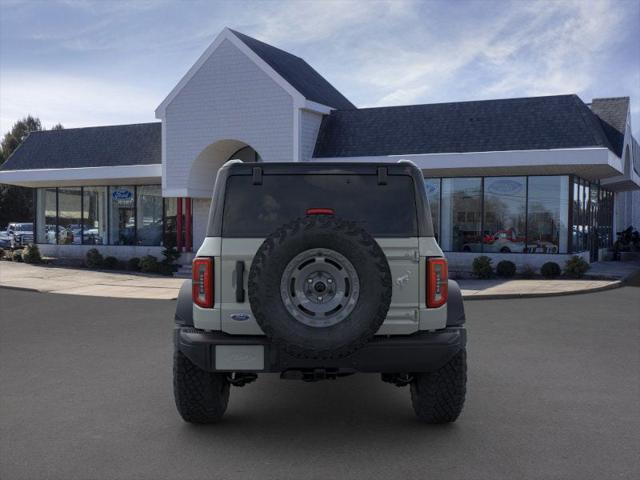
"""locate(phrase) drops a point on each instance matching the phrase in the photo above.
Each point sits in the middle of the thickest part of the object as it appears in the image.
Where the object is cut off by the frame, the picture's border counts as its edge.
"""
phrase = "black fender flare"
(455, 305)
(184, 308)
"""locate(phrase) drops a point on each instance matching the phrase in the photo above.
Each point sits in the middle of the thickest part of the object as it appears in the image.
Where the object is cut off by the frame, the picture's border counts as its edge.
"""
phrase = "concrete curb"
(26, 289)
(506, 296)
(35, 290)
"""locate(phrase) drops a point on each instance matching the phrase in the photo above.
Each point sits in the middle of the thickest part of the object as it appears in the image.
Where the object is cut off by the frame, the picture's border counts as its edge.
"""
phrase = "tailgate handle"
(240, 281)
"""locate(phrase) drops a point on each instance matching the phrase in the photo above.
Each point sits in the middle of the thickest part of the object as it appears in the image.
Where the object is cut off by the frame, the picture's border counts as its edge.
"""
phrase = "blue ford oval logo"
(240, 317)
(505, 187)
(121, 194)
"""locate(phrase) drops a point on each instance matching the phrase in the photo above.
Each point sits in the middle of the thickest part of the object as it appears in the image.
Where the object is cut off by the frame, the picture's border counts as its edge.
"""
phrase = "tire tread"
(200, 396)
(438, 397)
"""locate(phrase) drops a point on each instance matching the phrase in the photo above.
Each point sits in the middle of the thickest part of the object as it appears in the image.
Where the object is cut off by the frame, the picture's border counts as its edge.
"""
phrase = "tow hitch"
(241, 379)
(313, 375)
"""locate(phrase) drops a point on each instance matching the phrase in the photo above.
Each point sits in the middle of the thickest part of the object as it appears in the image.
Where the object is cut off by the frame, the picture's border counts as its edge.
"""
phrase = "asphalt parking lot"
(85, 393)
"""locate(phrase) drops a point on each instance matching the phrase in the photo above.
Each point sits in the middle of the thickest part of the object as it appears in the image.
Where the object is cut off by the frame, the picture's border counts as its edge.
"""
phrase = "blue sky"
(86, 63)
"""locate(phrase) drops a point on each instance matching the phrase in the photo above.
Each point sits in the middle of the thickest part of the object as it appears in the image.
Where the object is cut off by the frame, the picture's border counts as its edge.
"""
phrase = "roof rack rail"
(232, 161)
(410, 162)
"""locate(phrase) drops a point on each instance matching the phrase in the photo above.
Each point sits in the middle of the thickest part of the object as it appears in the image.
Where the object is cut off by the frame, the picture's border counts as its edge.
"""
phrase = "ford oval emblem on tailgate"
(240, 317)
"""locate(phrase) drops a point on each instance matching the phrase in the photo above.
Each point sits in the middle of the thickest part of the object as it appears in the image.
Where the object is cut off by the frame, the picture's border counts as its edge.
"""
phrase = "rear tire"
(438, 397)
(201, 396)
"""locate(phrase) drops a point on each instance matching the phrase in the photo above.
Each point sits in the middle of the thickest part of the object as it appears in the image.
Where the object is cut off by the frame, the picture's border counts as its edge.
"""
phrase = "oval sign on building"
(505, 186)
(122, 197)
(122, 194)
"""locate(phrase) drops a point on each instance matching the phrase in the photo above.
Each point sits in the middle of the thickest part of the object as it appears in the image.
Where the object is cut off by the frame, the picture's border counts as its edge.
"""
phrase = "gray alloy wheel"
(320, 287)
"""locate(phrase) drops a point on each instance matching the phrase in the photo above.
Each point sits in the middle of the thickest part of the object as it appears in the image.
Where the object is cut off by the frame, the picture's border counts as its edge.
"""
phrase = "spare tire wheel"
(320, 287)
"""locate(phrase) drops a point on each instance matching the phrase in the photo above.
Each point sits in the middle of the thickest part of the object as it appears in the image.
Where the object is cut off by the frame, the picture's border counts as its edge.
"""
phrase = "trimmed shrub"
(506, 268)
(17, 256)
(171, 255)
(149, 264)
(1, 254)
(133, 264)
(110, 263)
(94, 258)
(165, 269)
(31, 254)
(550, 270)
(482, 267)
(576, 267)
(528, 271)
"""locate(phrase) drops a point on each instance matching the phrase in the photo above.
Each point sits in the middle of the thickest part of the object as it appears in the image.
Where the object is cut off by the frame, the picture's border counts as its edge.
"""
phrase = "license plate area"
(239, 357)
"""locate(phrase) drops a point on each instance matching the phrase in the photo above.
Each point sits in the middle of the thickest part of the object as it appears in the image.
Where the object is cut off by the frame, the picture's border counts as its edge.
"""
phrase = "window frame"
(570, 210)
(108, 189)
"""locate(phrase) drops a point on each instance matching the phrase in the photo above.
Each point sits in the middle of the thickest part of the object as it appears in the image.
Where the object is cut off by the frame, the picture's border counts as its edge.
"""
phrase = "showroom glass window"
(461, 214)
(122, 215)
(432, 186)
(94, 216)
(605, 219)
(575, 227)
(547, 215)
(46, 215)
(586, 226)
(581, 217)
(170, 221)
(69, 216)
(505, 203)
(149, 215)
(593, 200)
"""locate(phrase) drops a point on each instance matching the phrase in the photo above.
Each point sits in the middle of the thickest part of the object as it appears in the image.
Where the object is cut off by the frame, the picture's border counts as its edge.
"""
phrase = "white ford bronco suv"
(317, 271)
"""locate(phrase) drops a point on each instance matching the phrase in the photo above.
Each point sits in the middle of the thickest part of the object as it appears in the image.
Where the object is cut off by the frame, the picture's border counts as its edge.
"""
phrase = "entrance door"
(123, 215)
(593, 254)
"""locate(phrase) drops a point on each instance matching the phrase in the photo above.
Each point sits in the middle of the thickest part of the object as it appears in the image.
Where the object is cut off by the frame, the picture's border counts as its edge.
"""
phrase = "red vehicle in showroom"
(503, 241)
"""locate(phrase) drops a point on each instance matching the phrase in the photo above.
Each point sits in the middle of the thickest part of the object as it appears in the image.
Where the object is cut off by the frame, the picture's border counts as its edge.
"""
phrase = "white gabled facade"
(230, 99)
(309, 126)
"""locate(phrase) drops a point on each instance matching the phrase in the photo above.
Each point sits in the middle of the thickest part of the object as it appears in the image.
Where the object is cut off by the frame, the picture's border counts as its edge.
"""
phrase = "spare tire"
(320, 287)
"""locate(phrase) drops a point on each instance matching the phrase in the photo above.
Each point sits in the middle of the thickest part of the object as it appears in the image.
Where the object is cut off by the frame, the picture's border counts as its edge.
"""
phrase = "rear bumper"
(420, 352)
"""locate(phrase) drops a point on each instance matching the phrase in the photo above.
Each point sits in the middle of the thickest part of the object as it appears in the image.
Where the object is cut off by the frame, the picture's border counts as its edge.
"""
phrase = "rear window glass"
(257, 210)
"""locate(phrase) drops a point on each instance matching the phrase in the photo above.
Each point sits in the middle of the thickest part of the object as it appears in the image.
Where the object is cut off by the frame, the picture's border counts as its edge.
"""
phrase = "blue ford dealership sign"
(505, 186)
(122, 194)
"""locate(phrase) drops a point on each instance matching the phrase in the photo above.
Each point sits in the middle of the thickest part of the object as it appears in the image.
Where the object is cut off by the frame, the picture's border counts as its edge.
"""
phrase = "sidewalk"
(493, 289)
(76, 281)
(601, 276)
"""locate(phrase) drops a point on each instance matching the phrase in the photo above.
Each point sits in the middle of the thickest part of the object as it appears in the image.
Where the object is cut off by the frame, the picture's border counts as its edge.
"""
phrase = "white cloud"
(309, 22)
(557, 50)
(533, 48)
(72, 101)
(376, 52)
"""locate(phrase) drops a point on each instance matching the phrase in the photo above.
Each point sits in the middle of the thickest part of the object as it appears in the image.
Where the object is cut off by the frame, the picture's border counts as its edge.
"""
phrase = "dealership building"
(529, 179)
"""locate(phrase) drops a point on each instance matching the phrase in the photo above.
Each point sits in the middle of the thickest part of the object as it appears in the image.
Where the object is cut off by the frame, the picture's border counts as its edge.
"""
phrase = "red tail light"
(202, 282)
(320, 211)
(437, 282)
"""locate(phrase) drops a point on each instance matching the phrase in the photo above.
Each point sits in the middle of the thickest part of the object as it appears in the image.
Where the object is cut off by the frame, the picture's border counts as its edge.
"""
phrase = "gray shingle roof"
(562, 121)
(137, 144)
(612, 113)
(298, 73)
